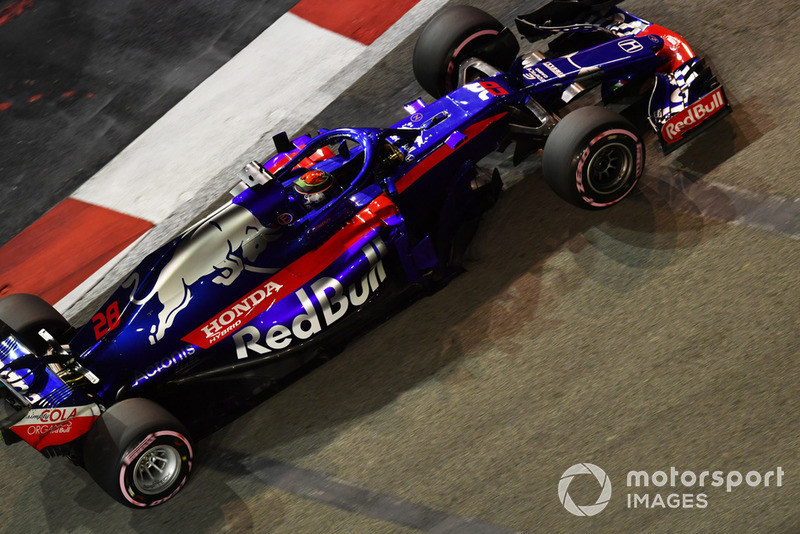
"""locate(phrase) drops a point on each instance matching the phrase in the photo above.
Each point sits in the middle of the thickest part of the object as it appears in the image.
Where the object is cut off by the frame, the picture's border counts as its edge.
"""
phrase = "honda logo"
(630, 45)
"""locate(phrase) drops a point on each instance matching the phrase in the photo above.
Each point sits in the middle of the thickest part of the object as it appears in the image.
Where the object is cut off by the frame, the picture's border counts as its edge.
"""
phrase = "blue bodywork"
(266, 277)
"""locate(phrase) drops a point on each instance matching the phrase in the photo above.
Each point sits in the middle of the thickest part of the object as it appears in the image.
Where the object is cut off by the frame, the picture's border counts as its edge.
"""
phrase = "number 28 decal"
(106, 322)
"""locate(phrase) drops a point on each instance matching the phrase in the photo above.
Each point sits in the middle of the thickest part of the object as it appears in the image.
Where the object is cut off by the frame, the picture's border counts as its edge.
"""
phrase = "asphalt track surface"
(80, 80)
(661, 333)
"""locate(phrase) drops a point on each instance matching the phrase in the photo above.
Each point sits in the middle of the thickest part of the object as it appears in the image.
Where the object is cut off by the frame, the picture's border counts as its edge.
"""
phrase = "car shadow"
(530, 239)
(525, 239)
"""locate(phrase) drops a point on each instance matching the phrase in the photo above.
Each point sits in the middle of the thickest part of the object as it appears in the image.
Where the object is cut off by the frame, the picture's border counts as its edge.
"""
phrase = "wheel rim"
(609, 168)
(157, 469)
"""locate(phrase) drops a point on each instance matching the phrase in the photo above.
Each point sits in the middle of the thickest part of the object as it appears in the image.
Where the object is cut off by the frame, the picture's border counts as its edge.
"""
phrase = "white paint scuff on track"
(349, 497)
(768, 213)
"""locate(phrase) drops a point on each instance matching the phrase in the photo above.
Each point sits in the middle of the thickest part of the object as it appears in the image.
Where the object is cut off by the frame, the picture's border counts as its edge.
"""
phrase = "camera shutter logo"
(590, 509)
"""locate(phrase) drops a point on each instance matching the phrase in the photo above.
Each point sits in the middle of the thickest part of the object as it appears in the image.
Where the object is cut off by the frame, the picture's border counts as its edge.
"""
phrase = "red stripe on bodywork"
(436, 157)
(360, 20)
(64, 247)
(302, 270)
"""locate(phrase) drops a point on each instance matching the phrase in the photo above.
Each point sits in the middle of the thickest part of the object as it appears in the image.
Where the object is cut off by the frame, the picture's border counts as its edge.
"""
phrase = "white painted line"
(259, 88)
(169, 173)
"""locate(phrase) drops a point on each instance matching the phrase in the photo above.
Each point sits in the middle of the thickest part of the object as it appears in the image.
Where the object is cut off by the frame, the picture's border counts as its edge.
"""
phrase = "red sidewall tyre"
(139, 453)
(452, 36)
(593, 158)
(161, 440)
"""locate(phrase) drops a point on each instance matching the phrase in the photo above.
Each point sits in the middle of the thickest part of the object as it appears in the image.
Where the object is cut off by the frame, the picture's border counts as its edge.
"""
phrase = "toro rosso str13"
(334, 232)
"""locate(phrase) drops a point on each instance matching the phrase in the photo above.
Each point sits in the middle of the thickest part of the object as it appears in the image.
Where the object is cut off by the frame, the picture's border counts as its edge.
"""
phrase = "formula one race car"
(332, 234)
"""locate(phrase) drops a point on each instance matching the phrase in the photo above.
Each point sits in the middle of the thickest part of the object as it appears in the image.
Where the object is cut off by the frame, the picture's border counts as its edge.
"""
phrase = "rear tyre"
(456, 34)
(139, 453)
(27, 314)
(593, 158)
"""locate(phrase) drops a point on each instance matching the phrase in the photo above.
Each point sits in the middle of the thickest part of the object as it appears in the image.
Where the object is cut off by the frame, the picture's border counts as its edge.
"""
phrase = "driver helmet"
(315, 187)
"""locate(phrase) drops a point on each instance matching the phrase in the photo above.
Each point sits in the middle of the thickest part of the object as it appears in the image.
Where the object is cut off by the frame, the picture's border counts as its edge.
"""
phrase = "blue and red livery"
(270, 282)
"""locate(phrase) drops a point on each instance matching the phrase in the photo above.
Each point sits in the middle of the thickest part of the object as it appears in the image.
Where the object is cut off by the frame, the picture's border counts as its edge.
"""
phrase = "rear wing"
(36, 404)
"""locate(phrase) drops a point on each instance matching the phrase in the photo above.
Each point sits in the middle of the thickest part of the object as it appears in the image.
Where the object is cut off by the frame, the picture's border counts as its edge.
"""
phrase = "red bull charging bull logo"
(225, 244)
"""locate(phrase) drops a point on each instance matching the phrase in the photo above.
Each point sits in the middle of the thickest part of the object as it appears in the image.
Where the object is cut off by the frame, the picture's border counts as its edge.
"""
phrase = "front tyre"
(139, 453)
(454, 35)
(593, 158)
